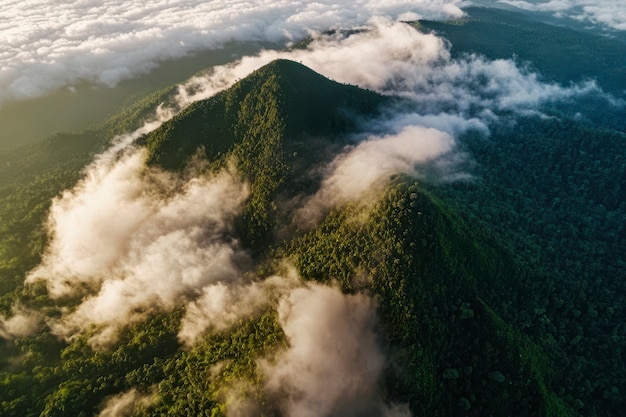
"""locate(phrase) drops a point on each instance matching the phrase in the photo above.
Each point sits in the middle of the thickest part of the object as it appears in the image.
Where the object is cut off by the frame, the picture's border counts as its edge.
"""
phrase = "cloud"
(222, 305)
(48, 45)
(124, 404)
(606, 12)
(21, 323)
(370, 163)
(334, 360)
(130, 239)
(333, 363)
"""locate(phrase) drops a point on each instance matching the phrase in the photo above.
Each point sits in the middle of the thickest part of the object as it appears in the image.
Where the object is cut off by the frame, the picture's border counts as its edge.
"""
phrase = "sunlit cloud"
(124, 404)
(367, 167)
(334, 360)
(22, 322)
(222, 305)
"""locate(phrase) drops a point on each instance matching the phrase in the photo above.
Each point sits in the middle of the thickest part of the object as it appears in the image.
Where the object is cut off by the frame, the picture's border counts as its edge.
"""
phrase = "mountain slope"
(434, 279)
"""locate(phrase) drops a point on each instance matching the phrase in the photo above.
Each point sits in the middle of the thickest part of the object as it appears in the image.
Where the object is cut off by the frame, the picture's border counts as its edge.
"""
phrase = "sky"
(154, 241)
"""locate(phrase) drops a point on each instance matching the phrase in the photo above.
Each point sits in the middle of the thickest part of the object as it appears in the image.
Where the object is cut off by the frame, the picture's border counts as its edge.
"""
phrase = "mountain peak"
(287, 67)
(298, 101)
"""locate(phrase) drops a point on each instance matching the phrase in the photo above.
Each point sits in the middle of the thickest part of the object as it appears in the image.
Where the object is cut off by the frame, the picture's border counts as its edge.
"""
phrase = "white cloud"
(124, 404)
(222, 305)
(371, 163)
(334, 360)
(22, 323)
(611, 13)
(48, 44)
(130, 240)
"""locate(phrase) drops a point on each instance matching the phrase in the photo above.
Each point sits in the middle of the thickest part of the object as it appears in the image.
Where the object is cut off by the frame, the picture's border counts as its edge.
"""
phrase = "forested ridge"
(486, 307)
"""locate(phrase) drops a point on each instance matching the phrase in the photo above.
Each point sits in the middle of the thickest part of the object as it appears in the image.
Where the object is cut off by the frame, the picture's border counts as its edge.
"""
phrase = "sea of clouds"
(129, 240)
(47, 44)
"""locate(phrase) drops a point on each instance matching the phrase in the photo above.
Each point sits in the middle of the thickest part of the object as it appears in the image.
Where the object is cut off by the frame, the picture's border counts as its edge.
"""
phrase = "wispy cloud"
(367, 167)
(124, 404)
(221, 305)
(22, 322)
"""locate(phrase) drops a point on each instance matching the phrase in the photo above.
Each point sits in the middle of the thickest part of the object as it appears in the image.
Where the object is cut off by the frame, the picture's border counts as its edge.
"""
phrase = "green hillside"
(565, 213)
(435, 279)
(456, 298)
(277, 124)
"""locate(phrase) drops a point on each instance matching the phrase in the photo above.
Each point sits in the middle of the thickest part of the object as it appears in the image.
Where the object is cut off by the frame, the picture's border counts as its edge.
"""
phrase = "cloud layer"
(49, 44)
(611, 13)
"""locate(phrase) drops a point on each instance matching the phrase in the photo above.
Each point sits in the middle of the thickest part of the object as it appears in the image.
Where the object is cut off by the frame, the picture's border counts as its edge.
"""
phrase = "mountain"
(284, 99)
(278, 123)
(426, 266)
(451, 296)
